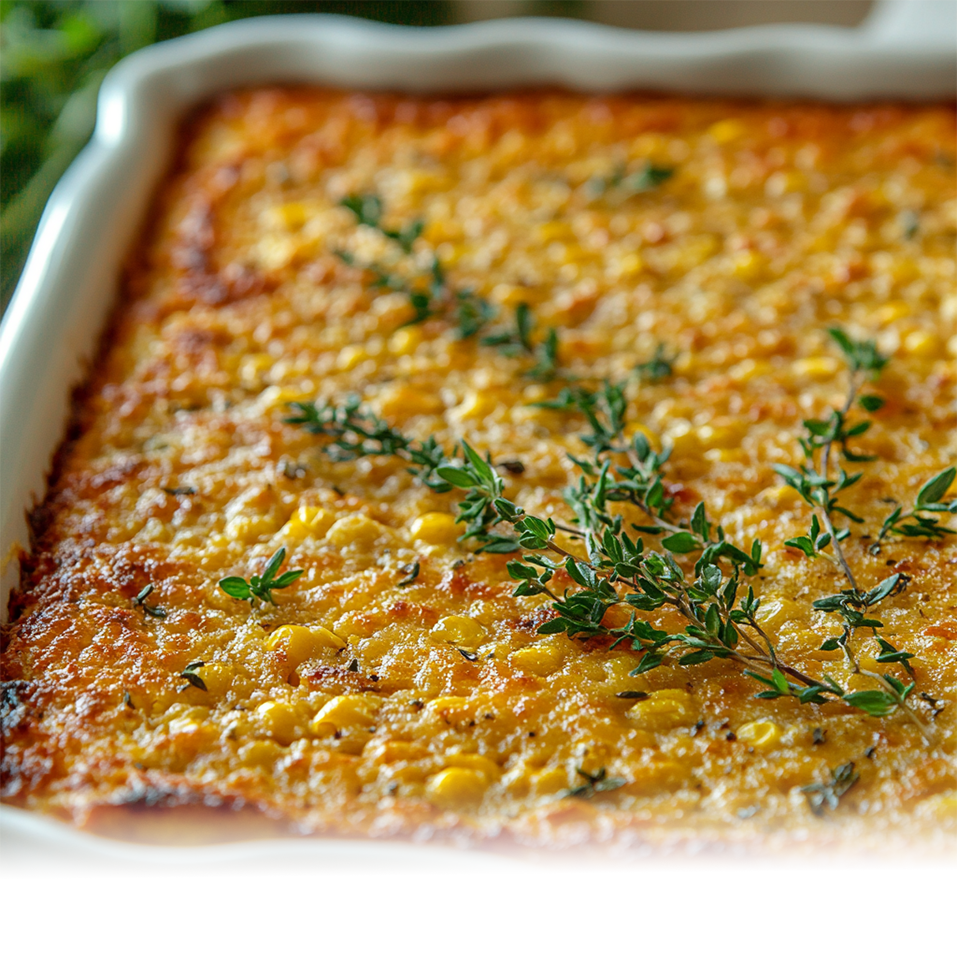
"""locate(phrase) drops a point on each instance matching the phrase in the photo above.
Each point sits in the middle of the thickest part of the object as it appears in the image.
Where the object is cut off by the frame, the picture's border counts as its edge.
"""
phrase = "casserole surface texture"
(694, 252)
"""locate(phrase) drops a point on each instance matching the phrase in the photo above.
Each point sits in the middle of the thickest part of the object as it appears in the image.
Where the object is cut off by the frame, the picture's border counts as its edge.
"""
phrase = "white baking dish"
(906, 50)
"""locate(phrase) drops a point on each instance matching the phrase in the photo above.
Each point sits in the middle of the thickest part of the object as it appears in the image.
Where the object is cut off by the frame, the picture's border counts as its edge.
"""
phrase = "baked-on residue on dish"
(314, 246)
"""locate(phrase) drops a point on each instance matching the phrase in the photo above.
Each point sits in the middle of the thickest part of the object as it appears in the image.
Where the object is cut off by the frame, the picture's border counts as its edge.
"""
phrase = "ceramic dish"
(905, 51)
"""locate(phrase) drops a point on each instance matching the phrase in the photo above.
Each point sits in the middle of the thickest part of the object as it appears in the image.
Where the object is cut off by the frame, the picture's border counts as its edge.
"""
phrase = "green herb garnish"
(261, 587)
(154, 611)
(828, 795)
(594, 784)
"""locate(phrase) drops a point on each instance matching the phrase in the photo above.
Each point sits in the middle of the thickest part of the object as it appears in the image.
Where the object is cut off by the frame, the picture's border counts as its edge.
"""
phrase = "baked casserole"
(542, 465)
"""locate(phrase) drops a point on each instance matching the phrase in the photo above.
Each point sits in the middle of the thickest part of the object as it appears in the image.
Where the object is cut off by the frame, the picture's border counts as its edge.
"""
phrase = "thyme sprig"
(356, 433)
(368, 209)
(624, 184)
(827, 440)
(828, 794)
(521, 340)
(721, 618)
(920, 520)
(154, 611)
(261, 587)
(594, 784)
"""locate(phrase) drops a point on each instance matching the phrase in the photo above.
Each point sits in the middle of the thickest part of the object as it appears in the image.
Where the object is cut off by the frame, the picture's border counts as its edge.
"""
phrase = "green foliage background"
(55, 53)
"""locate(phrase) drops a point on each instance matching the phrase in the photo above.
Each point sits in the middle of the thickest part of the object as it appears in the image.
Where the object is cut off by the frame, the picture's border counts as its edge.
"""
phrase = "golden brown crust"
(781, 219)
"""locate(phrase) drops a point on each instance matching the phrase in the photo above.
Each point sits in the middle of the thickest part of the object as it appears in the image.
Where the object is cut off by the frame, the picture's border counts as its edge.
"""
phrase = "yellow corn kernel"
(345, 712)
(683, 440)
(249, 528)
(460, 631)
(451, 707)
(922, 344)
(662, 775)
(777, 612)
(402, 400)
(553, 231)
(455, 787)
(475, 762)
(356, 529)
(748, 369)
(747, 264)
(259, 754)
(308, 521)
(280, 720)
(783, 495)
(550, 781)
(274, 396)
(630, 264)
(760, 734)
(252, 367)
(892, 311)
(350, 356)
(817, 367)
(724, 131)
(476, 405)
(301, 643)
(664, 710)
(289, 215)
(721, 436)
(217, 676)
(435, 528)
(404, 342)
(540, 659)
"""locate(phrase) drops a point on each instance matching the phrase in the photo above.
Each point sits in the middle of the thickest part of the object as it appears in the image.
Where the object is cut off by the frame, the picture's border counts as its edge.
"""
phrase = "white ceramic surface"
(906, 50)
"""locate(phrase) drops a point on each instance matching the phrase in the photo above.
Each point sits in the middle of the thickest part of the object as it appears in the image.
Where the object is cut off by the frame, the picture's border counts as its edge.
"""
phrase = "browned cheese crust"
(435, 705)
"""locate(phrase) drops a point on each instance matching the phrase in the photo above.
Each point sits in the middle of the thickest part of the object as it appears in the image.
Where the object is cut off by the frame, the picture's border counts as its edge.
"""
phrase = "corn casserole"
(487, 466)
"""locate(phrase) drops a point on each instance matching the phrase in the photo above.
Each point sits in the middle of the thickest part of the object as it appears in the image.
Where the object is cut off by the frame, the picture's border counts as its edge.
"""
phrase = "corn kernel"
(289, 215)
(404, 342)
(259, 754)
(628, 265)
(817, 367)
(308, 521)
(554, 231)
(345, 712)
(455, 787)
(777, 612)
(892, 311)
(475, 762)
(748, 369)
(402, 400)
(922, 344)
(760, 734)
(550, 781)
(451, 707)
(782, 495)
(435, 528)
(723, 436)
(217, 676)
(460, 631)
(356, 529)
(249, 528)
(665, 710)
(747, 265)
(301, 643)
(540, 659)
(350, 356)
(724, 131)
(476, 405)
(280, 720)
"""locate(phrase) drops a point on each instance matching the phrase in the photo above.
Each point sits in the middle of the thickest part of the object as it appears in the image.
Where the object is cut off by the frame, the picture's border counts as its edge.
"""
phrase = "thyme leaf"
(261, 587)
